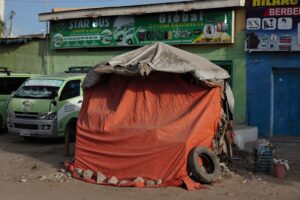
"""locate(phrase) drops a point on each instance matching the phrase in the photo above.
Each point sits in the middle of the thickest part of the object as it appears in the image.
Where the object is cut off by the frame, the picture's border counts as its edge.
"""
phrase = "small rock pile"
(225, 171)
(61, 176)
(102, 178)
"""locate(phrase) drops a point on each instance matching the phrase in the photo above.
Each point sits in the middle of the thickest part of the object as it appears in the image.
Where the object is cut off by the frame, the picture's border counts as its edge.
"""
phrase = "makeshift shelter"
(144, 111)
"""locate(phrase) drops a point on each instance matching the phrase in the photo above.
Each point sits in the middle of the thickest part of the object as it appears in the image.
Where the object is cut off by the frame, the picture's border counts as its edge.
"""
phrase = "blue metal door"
(286, 121)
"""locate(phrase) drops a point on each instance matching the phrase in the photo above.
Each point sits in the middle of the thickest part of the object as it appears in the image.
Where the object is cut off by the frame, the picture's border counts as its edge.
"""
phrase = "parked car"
(9, 82)
(46, 106)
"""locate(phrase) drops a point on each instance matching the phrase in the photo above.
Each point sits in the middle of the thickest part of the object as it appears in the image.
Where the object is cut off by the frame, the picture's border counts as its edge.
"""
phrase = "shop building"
(273, 69)
(85, 37)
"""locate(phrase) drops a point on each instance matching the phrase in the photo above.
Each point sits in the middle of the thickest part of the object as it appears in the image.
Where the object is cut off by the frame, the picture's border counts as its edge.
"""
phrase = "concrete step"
(244, 134)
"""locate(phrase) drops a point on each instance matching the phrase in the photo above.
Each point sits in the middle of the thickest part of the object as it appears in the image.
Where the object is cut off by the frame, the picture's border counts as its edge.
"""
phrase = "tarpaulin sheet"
(133, 126)
(163, 58)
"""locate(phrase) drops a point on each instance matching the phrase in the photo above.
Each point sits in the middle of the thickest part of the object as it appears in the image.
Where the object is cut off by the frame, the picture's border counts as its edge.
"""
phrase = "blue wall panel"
(286, 103)
(259, 72)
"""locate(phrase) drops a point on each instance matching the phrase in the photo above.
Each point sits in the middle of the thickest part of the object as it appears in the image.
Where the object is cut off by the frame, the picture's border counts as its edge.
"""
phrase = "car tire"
(203, 165)
(129, 42)
(71, 128)
(120, 38)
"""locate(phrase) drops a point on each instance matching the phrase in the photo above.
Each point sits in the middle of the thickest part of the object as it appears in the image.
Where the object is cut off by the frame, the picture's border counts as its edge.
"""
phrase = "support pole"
(67, 141)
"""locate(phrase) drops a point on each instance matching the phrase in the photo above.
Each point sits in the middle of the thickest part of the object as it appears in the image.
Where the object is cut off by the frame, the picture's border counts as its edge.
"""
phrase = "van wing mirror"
(13, 93)
(54, 102)
(55, 94)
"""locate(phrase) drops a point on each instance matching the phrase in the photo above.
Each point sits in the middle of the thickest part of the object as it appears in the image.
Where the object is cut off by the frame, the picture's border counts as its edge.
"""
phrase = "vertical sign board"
(272, 25)
(195, 27)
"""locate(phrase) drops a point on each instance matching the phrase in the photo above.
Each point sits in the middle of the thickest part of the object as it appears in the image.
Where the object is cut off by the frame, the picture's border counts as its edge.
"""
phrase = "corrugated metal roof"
(21, 39)
(66, 9)
(139, 9)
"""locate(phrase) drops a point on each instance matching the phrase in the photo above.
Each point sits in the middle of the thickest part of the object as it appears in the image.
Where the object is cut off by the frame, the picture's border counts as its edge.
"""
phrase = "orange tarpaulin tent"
(136, 126)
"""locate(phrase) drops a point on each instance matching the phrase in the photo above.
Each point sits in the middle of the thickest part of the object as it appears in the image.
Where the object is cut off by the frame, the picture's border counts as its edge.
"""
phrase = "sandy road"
(25, 160)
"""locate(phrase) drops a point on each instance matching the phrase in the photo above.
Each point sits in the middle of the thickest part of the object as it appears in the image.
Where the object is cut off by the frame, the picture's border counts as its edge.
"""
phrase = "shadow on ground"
(50, 151)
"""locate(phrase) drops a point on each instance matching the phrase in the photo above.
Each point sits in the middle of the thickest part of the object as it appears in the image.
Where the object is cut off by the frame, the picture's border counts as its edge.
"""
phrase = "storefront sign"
(273, 25)
(197, 27)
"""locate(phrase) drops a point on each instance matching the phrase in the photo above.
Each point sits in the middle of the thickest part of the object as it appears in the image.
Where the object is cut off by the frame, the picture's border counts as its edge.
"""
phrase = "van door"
(69, 104)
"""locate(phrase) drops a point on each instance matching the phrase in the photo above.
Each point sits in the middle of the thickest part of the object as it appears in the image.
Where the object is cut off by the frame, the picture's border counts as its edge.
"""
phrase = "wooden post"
(67, 141)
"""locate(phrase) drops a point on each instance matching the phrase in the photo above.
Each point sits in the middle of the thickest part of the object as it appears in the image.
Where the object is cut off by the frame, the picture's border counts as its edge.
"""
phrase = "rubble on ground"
(79, 172)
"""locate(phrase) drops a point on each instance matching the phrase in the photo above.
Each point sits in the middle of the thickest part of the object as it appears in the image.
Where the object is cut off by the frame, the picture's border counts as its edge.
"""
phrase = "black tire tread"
(199, 173)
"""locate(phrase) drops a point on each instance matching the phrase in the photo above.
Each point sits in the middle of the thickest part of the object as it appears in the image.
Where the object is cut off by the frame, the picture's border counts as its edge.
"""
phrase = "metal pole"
(11, 17)
(67, 141)
(46, 5)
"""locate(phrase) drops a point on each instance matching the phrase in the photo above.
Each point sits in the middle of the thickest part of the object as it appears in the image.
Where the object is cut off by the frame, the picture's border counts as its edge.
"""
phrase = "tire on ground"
(209, 171)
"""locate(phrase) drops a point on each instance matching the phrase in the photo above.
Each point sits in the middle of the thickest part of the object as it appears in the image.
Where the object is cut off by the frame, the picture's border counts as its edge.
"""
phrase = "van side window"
(8, 85)
(71, 89)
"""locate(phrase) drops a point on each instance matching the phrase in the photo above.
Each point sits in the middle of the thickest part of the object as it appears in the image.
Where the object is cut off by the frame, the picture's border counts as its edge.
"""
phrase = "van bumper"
(32, 128)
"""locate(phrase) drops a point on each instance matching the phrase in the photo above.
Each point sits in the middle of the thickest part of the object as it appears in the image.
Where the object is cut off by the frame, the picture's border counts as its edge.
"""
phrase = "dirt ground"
(30, 170)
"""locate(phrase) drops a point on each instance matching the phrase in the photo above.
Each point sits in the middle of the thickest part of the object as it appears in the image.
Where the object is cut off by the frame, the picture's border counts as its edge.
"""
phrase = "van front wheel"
(71, 128)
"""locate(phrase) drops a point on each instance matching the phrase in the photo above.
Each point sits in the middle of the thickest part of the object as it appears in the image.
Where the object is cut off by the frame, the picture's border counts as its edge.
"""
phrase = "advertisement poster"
(272, 25)
(197, 27)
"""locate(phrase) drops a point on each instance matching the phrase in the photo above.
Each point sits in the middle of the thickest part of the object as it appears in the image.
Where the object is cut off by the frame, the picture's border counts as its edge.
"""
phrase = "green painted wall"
(37, 57)
(60, 60)
(27, 57)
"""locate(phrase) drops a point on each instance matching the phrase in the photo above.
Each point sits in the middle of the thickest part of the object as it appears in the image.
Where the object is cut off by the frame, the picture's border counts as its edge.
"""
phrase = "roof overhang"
(21, 39)
(140, 9)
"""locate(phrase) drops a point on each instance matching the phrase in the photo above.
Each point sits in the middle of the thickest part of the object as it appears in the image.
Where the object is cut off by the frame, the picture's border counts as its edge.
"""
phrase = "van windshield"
(36, 92)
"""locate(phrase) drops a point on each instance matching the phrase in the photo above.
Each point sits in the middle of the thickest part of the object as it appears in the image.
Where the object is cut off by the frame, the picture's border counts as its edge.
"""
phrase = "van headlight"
(52, 115)
(47, 116)
(43, 115)
(10, 114)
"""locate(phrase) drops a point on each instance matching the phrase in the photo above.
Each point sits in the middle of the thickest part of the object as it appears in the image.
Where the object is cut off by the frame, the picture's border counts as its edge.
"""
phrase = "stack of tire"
(203, 165)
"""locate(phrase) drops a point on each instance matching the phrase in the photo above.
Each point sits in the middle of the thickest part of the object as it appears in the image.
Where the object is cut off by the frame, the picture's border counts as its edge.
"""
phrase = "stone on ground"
(88, 174)
(68, 174)
(23, 180)
(123, 182)
(139, 180)
(158, 182)
(43, 177)
(100, 177)
(112, 180)
(150, 183)
(79, 171)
